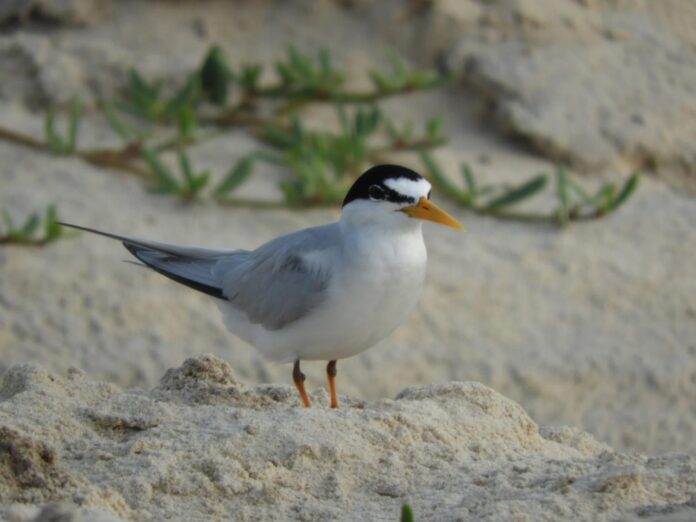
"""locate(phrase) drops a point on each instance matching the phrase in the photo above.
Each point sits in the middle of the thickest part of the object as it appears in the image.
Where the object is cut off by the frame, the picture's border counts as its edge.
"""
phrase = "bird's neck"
(383, 241)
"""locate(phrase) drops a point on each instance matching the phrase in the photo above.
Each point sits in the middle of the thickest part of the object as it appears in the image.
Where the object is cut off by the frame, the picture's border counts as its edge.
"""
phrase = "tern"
(323, 293)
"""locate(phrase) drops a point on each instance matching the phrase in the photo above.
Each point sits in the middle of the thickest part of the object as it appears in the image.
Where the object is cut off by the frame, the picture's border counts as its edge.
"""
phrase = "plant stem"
(532, 217)
(21, 139)
(9, 240)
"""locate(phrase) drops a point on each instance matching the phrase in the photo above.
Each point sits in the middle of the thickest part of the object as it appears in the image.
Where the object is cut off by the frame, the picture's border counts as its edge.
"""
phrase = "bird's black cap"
(370, 185)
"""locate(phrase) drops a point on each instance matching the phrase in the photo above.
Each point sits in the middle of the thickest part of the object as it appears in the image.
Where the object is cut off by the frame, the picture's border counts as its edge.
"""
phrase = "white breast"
(377, 281)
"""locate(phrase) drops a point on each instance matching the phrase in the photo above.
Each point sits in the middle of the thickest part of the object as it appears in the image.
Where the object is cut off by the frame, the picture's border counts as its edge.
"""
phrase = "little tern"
(323, 293)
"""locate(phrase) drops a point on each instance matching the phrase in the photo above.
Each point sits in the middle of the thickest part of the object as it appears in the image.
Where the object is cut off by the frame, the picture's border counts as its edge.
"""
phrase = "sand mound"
(201, 445)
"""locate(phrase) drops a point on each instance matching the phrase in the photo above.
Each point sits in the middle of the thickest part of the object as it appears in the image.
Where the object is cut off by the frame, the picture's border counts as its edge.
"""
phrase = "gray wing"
(278, 283)
(273, 285)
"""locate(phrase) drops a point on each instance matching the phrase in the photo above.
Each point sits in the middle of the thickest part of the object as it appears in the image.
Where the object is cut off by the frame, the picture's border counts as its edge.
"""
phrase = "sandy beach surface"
(592, 326)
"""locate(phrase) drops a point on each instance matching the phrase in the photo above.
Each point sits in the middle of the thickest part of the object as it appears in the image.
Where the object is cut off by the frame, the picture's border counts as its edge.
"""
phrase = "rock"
(68, 12)
(39, 72)
(452, 451)
(590, 83)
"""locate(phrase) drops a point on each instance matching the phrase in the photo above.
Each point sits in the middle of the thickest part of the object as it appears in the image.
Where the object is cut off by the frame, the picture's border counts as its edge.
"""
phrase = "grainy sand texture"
(123, 397)
(202, 446)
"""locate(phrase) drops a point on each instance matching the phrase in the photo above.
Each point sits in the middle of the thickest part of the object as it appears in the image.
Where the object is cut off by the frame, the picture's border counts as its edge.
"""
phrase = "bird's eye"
(375, 192)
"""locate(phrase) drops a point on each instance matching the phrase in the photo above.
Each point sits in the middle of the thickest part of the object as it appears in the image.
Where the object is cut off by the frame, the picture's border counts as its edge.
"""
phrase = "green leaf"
(562, 192)
(342, 116)
(236, 176)
(626, 191)
(140, 88)
(380, 81)
(284, 72)
(297, 128)
(278, 137)
(301, 64)
(562, 185)
(74, 125)
(605, 197)
(366, 121)
(407, 514)
(30, 225)
(199, 181)
(407, 131)
(442, 181)
(128, 107)
(116, 123)
(166, 180)
(215, 76)
(325, 62)
(185, 97)
(434, 128)
(186, 123)
(584, 196)
(422, 79)
(27, 233)
(143, 97)
(249, 76)
(470, 181)
(52, 230)
(271, 157)
(53, 140)
(193, 183)
(185, 166)
(519, 193)
(399, 67)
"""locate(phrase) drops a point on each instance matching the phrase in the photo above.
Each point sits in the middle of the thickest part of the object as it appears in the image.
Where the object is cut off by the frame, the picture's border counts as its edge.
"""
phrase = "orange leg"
(299, 379)
(331, 373)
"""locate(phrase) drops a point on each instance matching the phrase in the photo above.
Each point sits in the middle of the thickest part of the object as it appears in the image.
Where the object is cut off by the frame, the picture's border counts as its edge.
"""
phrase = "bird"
(323, 293)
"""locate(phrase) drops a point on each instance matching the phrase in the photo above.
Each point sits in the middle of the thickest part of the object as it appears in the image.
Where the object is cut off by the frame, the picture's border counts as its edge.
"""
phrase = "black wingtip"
(138, 250)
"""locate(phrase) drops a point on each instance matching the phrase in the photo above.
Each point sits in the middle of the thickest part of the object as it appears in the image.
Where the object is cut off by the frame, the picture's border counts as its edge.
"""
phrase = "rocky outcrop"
(590, 83)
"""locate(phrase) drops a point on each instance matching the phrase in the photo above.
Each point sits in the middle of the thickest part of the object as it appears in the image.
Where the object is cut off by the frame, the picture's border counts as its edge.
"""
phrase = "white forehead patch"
(408, 187)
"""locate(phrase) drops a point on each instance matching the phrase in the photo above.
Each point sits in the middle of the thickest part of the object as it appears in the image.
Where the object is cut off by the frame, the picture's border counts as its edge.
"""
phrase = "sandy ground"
(201, 446)
(593, 326)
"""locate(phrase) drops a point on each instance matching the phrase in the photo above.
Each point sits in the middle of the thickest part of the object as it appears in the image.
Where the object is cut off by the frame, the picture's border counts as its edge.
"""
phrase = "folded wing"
(283, 280)
(273, 286)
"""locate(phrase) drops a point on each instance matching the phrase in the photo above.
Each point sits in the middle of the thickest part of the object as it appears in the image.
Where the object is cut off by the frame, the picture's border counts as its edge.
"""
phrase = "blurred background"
(226, 124)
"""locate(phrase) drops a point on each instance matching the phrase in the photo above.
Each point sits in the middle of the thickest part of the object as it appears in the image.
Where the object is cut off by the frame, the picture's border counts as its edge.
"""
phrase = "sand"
(593, 326)
(201, 446)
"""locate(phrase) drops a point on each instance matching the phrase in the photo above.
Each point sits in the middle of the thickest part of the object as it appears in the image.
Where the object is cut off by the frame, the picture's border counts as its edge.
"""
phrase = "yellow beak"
(426, 209)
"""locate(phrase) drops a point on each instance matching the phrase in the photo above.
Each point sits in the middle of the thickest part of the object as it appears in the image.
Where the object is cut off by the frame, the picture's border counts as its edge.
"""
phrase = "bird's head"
(392, 195)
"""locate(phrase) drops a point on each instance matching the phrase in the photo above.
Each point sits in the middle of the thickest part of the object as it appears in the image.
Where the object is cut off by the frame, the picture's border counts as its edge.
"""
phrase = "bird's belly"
(371, 293)
(362, 309)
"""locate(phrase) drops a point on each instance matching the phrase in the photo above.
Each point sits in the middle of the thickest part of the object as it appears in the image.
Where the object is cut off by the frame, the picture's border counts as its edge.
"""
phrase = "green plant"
(145, 99)
(323, 164)
(407, 514)
(215, 76)
(320, 163)
(400, 78)
(54, 141)
(34, 231)
(187, 186)
(574, 202)
(301, 75)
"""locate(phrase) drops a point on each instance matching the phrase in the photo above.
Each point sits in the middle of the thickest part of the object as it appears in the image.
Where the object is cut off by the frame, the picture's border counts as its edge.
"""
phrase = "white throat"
(372, 217)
